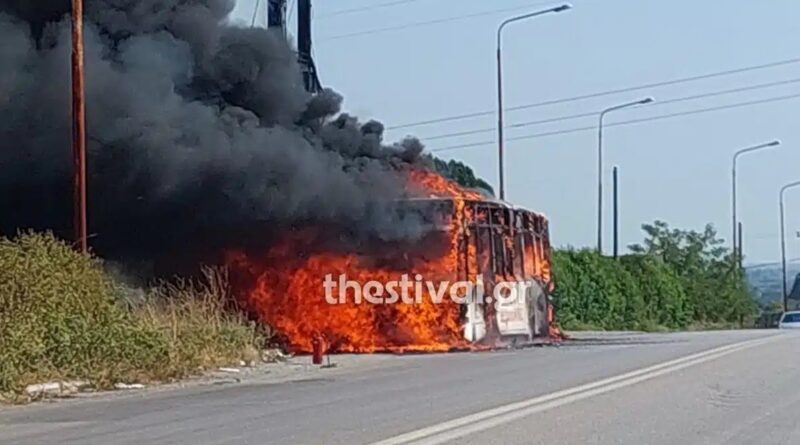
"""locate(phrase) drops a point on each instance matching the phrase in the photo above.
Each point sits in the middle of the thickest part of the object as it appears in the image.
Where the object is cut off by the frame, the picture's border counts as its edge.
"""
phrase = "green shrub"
(665, 301)
(59, 319)
(595, 291)
(676, 279)
(636, 292)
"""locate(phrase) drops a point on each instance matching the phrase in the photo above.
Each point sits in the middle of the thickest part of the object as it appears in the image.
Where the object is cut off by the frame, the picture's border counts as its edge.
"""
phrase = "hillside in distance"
(765, 279)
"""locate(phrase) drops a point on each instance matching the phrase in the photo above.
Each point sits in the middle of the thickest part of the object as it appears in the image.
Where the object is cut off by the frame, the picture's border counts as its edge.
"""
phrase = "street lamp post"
(734, 216)
(78, 129)
(783, 243)
(500, 140)
(615, 177)
(600, 165)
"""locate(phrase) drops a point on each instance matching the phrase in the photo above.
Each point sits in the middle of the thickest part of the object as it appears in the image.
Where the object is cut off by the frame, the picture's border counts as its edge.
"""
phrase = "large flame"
(285, 287)
(433, 185)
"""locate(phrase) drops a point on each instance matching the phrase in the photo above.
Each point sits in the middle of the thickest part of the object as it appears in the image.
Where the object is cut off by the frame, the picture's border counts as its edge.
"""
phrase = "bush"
(595, 291)
(635, 292)
(675, 280)
(61, 318)
(665, 301)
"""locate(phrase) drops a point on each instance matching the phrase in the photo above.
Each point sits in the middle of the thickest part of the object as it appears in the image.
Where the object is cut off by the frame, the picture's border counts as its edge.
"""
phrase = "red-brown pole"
(78, 128)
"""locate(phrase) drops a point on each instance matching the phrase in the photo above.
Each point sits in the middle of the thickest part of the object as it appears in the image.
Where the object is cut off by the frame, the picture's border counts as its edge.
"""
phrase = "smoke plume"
(194, 124)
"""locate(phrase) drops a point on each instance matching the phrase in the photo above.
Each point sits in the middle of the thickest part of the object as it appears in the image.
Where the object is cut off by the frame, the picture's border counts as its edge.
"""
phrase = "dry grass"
(200, 328)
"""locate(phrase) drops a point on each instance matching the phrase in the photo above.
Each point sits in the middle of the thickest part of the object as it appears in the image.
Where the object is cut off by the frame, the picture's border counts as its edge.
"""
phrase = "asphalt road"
(695, 388)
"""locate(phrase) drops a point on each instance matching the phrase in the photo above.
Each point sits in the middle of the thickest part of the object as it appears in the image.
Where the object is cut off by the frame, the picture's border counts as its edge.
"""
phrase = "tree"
(460, 173)
(709, 273)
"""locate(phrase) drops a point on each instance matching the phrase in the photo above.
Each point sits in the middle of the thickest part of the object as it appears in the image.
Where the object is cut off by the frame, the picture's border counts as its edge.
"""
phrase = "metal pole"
(616, 213)
(733, 212)
(783, 257)
(741, 244)
(734, 215)
(783, 242)
(600, 185)
(500, 136)
(78, 128)
(600, 165)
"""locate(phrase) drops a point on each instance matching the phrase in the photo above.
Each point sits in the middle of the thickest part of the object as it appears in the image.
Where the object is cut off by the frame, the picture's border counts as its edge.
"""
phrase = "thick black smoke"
(194, 125)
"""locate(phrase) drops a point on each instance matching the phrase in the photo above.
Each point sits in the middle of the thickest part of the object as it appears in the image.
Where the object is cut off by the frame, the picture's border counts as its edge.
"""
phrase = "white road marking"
(491, 418)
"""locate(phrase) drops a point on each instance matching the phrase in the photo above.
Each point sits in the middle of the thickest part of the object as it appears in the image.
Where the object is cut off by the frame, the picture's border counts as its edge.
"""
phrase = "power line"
(600, 94)
(595, 113)
(430, 22)
(366, 8)
(629, 122)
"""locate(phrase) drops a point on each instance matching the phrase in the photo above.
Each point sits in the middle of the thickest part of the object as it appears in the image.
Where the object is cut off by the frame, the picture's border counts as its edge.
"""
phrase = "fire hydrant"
(316, 344)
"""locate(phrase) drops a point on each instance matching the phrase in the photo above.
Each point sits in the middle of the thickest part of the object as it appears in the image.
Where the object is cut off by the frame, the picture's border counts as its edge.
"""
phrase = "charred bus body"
(498, 246)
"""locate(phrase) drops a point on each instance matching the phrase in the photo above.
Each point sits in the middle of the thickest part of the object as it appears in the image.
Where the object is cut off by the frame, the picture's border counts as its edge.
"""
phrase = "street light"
(78, 129)
(774, 143)
(500, 141)
(644, 101)
(783, 243)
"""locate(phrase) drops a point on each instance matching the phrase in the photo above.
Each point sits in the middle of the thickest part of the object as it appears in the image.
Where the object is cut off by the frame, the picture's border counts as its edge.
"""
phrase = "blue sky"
(675, 169)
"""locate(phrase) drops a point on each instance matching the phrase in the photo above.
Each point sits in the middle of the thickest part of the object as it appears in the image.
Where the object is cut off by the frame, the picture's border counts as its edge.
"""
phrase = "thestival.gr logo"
(418, 290)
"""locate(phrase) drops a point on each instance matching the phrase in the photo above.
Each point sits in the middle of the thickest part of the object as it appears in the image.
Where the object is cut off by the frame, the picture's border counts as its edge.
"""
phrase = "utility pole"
(616, 212)
(309, 69)
(78, 129)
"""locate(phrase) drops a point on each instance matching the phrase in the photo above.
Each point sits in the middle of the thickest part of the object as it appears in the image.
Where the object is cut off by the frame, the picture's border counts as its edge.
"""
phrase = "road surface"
(694, 388)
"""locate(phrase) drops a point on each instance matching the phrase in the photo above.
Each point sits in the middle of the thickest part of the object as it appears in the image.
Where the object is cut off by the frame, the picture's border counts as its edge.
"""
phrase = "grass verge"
(61, 318)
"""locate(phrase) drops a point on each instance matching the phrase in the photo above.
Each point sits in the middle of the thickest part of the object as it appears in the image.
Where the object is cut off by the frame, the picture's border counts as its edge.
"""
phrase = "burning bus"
(470, 238)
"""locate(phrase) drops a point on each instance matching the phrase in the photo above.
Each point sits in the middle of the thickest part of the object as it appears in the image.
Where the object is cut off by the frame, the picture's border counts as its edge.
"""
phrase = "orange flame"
(431, 184)
(284, 287)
